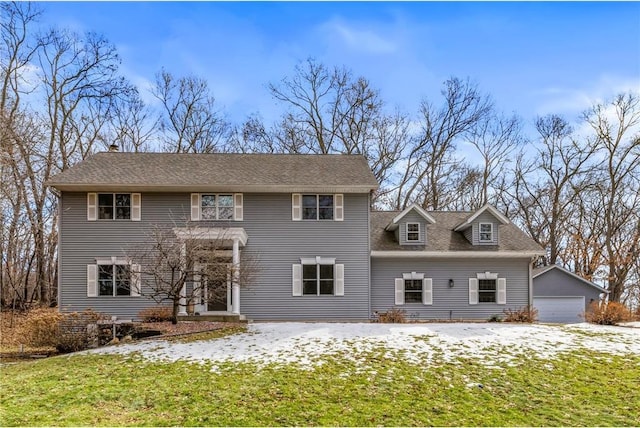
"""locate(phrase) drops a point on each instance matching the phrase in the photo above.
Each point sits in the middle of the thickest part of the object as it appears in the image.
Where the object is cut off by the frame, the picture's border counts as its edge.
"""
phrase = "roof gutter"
(237, 188)
(456, 254)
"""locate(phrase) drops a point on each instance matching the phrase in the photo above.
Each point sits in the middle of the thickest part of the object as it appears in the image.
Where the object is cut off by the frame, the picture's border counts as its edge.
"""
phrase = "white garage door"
(559, 309)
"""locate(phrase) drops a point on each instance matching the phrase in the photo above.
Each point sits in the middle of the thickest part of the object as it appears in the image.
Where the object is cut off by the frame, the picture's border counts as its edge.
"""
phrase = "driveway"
(308, 343)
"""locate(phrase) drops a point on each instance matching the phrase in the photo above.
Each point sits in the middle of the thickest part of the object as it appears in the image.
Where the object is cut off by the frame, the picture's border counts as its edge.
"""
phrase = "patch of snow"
(307, 344)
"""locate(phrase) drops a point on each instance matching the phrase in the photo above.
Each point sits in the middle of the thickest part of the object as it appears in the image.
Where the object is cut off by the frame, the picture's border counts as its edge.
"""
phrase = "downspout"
(531, 280)
(369, 256)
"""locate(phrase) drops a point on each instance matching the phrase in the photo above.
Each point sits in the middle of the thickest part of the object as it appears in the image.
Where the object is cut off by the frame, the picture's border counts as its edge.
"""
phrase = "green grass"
(580, 388)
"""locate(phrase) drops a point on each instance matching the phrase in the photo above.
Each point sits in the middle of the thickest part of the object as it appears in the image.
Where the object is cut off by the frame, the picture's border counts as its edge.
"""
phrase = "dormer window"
(486, 232)
(413, 232)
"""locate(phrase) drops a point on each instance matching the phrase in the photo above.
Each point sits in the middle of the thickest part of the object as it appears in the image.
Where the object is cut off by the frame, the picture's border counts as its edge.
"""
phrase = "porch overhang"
(230, 234)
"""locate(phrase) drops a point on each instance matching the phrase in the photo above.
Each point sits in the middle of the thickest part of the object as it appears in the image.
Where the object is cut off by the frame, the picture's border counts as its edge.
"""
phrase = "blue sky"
(533, 58)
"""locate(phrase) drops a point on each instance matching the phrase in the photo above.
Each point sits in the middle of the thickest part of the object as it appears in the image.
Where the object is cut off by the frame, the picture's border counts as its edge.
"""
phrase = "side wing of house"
(470, 265)
(558, 283)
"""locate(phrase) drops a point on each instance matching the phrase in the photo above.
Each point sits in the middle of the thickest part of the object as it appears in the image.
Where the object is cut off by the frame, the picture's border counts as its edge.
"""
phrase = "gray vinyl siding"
(556, 283)
(449, 303)
(274, 240)
(411, 217)
(485, 217)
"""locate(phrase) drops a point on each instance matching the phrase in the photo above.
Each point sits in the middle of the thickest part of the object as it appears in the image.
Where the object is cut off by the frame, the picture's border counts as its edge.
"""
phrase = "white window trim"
(297, 208)
(338, 275)
(406, 237)
(92, 276)
(427, 288)
(93, 207)
(501, 288)
(237, 208)
(485, 241)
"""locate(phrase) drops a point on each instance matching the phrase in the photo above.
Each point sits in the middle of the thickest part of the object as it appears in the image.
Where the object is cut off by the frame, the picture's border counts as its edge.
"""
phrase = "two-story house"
(323, 253)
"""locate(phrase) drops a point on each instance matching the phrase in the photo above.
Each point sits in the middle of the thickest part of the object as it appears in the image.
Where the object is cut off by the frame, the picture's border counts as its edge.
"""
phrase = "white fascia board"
(217, 188)
(456, 254)
(413, 207)
(212, 233)
(497, 214)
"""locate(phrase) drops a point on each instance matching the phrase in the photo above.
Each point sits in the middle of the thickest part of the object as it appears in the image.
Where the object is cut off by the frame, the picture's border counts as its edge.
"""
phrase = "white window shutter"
(502, 291)
(92, 280)
(136, 206)
(427, 291)
(473, 291)
(135, 280)
(296, 206)
(338, 207)
(399, 291)
(238, 210)
(92, 206)
(297, 280)
(339, 290)
(195, 206)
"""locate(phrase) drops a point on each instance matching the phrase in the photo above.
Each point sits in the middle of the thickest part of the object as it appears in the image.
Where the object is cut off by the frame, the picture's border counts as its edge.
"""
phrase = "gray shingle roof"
(223, 171)
(441, 237)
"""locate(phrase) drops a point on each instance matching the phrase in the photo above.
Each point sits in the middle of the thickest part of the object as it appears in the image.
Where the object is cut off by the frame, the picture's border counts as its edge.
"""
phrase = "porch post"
(235, 287)
(183, 290)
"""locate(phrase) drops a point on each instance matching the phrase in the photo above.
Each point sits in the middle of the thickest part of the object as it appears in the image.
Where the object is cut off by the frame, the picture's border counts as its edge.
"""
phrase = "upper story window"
(413, 232)
(317, 207)
(113, 206)
(216, 206)
(486, 232)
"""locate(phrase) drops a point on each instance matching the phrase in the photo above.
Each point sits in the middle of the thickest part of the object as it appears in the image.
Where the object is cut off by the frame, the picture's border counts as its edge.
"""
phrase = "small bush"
(523, 314)
(607, 313)
(156, 314)
(65, 332)
(395, 316)
(495, 318)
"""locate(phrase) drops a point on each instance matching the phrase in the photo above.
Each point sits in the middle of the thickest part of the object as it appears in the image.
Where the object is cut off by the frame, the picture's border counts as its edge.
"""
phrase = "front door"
(212, 289)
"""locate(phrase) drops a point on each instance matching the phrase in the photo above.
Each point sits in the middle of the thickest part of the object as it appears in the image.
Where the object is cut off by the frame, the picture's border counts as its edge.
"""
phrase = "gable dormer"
(481, 228)
(410, 226)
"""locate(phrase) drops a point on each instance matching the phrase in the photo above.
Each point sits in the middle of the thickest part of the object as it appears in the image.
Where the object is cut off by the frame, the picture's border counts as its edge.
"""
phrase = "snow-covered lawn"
(307, 343)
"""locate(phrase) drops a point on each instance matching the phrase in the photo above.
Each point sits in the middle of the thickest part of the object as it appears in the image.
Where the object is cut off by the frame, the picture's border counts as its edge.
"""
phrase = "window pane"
(326, 271)
(225, 200)
(208, 200)
(326, 287)
(413, 297)
(413, 227)
(309, 207)
(310, 287)
(105, 206)
(413, 285)
(123, 200)
(225, 213)
(123, 280)
(325, 210)
(123, 213)
(208, 213)
(487, 284)
(485, 297)
(309, 272)
(105, 280)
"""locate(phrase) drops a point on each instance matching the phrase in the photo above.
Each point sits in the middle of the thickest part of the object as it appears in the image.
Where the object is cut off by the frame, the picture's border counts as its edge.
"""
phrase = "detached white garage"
(559, 309)
(561, 296)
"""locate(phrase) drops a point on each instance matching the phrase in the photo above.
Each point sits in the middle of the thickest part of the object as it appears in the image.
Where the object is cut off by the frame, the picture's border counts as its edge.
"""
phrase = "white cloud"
(358, 39)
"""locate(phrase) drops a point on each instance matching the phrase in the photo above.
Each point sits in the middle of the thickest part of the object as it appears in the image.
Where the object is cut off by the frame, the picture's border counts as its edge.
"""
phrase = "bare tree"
(132, 128)
(192, 269)
(431, 160)
(190, 121)
(616, 133)
(549, 186)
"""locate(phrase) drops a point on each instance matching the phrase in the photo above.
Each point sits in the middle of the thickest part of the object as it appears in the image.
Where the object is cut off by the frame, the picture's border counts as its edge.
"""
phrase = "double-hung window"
(413, 232)
(487, 287)
(113, 277)
(317, 279)
(318, 276)
(487, 290)
(413, 291)
(113, 206)
(317, 207)
(486, 232)
(413, 287)
(216, 206)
